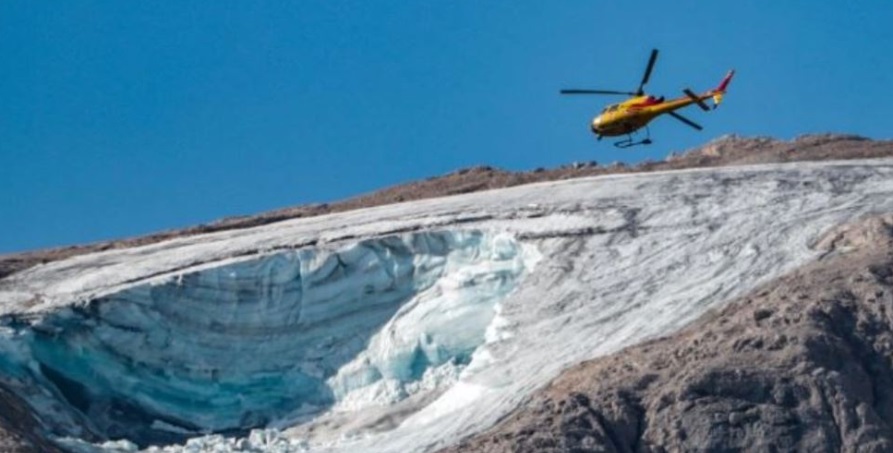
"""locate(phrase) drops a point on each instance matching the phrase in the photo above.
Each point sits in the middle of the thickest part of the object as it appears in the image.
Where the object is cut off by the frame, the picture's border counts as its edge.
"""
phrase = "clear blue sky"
(123, 118)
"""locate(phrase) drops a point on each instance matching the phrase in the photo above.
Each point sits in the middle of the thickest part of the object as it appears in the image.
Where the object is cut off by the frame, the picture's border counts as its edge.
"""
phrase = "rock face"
(803, 363)
(19, 431)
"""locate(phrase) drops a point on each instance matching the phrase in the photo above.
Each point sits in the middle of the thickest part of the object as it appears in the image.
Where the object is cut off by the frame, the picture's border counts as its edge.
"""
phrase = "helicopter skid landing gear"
(628, 142)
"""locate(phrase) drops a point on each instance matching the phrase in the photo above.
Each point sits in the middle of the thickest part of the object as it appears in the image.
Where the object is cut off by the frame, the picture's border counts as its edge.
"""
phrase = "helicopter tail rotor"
(720, 90)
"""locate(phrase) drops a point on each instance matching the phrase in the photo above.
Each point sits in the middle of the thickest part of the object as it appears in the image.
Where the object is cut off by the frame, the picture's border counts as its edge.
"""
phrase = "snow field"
(574, 270)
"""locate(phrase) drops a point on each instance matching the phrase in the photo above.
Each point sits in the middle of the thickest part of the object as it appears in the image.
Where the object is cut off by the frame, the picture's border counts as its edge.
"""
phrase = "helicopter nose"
(596, 123)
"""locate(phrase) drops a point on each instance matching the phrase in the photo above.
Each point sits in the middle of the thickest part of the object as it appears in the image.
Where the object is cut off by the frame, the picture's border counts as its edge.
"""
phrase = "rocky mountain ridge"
(726, 150)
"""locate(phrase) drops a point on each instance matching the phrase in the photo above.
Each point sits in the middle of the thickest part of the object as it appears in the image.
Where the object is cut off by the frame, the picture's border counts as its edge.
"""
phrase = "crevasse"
(279, 337)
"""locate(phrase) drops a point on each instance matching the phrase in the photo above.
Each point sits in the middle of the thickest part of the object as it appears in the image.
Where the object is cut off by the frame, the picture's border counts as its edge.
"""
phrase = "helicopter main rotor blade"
(686, 120)
(597, 92)
(648, 70)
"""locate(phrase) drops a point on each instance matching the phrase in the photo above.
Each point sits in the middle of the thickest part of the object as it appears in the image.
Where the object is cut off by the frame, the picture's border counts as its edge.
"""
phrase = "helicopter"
(629, 116)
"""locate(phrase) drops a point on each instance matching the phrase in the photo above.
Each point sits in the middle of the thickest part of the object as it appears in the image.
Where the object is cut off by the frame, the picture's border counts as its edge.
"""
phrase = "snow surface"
(531, 280)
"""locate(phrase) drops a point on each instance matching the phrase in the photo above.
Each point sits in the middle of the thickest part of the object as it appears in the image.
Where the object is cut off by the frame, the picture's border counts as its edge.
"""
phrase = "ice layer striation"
(403, 328)
(268, 340)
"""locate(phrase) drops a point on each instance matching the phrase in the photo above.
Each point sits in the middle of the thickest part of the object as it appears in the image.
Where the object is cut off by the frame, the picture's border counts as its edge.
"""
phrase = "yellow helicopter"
(635, 113)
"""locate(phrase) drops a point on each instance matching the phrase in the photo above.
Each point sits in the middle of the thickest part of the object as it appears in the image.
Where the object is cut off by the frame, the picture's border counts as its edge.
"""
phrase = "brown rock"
(814, 373)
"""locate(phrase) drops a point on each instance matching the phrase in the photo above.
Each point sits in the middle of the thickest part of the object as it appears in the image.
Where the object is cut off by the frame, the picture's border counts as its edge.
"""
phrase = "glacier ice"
(280, 337)
(618, 260)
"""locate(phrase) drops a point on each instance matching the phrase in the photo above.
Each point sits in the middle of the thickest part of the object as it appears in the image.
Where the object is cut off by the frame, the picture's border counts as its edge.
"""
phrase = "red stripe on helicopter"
(646, 103)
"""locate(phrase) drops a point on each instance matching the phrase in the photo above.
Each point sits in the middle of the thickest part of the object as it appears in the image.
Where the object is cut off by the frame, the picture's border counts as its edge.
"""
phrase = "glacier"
(271, 339)
(404, 327)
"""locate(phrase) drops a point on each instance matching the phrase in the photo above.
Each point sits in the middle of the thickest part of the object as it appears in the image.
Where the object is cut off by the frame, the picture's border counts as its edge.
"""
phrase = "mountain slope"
(404, 327)
(804, 363)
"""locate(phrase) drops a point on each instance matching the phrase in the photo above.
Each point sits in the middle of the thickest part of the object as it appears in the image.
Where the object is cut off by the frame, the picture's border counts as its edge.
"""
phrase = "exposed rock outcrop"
(19, 431)
(803, 363)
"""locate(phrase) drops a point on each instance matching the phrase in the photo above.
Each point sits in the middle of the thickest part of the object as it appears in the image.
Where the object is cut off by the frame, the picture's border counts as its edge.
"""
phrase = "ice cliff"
(404, 327)
(273, 339)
